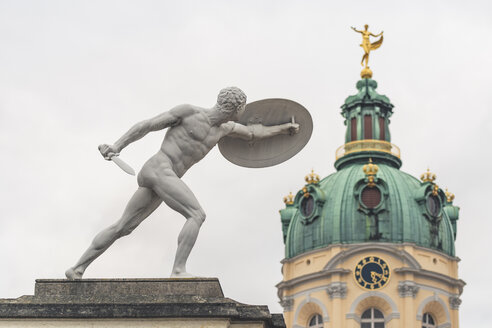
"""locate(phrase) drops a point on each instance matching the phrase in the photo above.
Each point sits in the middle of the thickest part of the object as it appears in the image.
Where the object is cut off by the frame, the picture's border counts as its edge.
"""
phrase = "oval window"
(433, 205)
(371, 197)
(307, 206)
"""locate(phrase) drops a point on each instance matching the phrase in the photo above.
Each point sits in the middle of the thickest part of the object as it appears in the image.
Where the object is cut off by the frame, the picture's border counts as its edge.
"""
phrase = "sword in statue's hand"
(122, 164)
(110, 156)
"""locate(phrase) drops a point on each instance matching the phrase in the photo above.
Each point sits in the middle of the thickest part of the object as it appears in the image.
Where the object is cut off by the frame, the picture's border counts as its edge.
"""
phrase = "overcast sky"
(75, 74)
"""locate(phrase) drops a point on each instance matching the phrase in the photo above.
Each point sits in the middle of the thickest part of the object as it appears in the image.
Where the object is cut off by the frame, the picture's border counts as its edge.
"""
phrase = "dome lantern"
(367, 117)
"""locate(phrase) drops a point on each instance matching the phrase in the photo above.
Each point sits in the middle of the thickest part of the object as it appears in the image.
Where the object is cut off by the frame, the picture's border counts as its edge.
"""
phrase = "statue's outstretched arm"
(159, 122)
(258, 131)
(377, 34)
(356, 30)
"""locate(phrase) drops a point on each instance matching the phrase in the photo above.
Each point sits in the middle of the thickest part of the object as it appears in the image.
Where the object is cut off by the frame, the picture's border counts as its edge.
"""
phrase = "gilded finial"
(366, 44)
(289, 199)
(370, 170)
(428, 176)
(312, 178)
(306, 192)
(435, 190)
(449, 196)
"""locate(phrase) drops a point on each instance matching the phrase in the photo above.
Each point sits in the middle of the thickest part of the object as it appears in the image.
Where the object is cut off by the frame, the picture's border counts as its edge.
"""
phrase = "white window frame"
(425, 321)
(372, 320)
(318, 322)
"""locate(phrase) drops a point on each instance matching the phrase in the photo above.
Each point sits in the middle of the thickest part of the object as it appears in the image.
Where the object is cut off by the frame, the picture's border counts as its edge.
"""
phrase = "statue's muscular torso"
(187, 141)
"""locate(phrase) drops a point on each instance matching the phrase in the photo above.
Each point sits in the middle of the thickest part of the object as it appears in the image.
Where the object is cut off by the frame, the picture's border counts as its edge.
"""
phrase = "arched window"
(428, 321)
(368, 127)
(382, 129)
(353, 129)
(372, 318)
(316, 321)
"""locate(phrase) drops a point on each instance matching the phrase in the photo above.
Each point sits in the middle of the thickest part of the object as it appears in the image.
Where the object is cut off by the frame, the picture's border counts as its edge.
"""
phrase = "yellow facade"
(322, 282)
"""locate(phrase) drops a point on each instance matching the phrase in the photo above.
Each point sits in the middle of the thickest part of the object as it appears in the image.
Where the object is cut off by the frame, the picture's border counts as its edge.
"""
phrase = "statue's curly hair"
(230, 98)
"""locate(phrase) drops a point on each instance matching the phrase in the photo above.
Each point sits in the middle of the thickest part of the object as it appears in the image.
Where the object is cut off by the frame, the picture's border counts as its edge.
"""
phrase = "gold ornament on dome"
(312, 178)
(449, 196)
(428, 176)
(289, 199)
(435, 190)
(366, 44)
(370, 170)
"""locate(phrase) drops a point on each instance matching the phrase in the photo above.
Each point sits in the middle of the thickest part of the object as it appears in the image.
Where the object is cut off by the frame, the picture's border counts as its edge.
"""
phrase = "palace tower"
(370, 246)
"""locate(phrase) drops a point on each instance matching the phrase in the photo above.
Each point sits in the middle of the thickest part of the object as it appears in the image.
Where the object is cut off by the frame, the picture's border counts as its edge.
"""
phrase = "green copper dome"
(369, 199)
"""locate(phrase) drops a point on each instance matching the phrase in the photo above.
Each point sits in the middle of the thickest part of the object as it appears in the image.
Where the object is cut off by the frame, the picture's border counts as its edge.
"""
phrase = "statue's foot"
(183, 274)
(72, 274)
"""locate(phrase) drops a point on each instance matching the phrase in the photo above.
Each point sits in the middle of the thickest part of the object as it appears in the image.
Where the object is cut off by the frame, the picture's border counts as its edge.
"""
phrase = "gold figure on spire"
(366, 73)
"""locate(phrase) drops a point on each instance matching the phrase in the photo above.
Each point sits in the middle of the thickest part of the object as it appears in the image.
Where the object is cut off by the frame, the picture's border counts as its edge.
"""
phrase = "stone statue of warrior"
(192, 133)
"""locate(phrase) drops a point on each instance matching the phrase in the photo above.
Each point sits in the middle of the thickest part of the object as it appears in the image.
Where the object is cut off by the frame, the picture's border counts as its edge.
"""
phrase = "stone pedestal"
(97, 303)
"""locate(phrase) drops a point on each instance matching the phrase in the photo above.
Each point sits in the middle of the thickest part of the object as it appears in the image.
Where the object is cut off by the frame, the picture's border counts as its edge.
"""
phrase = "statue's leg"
(140, 206)
(364, 58)
(176, 194)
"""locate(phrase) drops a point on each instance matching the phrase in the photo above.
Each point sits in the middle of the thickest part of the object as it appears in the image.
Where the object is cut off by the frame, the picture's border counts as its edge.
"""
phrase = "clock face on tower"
(372, 272)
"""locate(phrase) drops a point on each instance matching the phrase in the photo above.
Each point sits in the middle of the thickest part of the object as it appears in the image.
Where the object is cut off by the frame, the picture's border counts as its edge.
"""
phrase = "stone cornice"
(434, 251)
(310, 277)
(390, 249)
(346, 247)
(457, 283)
(350, 250)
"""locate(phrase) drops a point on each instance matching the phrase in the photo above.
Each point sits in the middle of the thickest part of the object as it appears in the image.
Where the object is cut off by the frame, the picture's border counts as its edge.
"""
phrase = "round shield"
(273, 150)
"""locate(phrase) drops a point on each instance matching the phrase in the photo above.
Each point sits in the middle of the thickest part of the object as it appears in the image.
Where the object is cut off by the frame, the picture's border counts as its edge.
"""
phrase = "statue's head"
(231, 100)
(366, 27)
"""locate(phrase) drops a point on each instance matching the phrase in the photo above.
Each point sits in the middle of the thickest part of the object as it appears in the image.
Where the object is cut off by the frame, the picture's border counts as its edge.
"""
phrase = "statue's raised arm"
(268, 133)
(139, 130)
(376, 35)
(356, 30)
(258, 131)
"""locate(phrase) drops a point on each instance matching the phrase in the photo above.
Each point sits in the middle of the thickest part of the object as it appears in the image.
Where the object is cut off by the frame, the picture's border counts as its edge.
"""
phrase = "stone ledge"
(53, 289)
(149, 310)
(183, 299)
